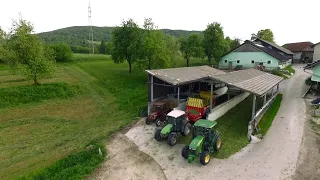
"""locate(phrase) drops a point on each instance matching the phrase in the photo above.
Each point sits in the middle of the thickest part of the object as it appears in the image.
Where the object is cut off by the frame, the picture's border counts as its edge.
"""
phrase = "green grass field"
(45, 129)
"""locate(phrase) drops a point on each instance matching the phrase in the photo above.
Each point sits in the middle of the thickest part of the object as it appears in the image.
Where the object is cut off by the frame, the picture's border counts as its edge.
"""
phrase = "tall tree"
(127, 43)
(265, 34)
(233, 43)
(102, 48)
(172, 46)
(214, 43)
(192, 46)
(25, 52)
(154, 46)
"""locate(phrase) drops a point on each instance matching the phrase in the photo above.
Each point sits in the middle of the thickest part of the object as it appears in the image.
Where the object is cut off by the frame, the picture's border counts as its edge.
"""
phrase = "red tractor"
(158, 113)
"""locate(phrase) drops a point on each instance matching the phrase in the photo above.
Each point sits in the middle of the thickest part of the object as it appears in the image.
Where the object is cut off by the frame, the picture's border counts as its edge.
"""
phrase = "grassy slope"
(271, 113)
(34, 136)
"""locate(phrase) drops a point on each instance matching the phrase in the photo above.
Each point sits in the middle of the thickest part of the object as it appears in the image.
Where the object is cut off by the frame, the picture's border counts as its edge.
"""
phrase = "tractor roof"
(205, 123)
(176, 113)
(159, 103)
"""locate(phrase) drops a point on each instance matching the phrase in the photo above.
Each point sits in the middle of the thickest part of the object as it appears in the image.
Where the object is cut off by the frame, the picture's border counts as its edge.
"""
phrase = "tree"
(191, 47)
(214, 43)
(233, 43)
(102, 48)
(25, 52)
(62, 52)
(127, 41)
(264, 34)
(109, 47)
(153, 49)
(172, 46)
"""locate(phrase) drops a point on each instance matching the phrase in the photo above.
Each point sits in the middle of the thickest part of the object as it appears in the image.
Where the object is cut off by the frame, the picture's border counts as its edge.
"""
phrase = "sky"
(290, 20)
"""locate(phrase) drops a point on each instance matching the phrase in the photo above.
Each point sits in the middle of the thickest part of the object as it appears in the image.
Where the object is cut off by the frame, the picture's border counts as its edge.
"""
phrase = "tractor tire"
(205, 157)
(157, 135)
(186, 129)
(147, 121)
(185, 152)
(217, 143)
(158, 122)
(172, 139)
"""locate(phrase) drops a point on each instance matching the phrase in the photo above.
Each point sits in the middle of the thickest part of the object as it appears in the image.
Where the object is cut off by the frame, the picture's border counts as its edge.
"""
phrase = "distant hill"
(78, 35)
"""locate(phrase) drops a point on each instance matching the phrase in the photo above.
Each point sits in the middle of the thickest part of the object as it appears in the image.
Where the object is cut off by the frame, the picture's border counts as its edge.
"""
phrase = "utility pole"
(91, 30)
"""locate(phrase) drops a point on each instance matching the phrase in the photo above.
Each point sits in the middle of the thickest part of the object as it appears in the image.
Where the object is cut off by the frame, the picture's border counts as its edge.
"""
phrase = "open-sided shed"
(163, 82)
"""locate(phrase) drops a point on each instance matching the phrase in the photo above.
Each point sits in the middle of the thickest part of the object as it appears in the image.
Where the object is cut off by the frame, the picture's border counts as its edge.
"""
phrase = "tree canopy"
(192, 46)
(62, 52)
(214, 43)
(127, 43)
(265, 34)
(233, 43)
(25, 52)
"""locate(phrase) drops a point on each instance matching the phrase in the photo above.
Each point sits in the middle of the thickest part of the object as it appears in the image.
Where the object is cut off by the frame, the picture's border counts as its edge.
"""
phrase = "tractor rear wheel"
(217, 143)
(172, 139)
(147, 120)
(157, 136)
(186, 129)
(185, 152)
(205, 157)
(158, 122)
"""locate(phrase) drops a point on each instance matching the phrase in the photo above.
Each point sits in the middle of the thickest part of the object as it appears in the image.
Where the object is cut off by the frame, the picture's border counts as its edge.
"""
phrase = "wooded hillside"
(78, 35)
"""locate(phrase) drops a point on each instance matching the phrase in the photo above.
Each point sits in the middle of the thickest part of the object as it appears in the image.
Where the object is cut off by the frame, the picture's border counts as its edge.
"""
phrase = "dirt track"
(139, 156)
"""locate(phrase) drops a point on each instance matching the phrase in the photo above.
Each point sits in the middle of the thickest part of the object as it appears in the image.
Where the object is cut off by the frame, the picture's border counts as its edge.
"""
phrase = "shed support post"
(151, 89)
(211, 94)
(264, 99)
(178, 96)
(277, 88)
(228, 97)
(253, 108)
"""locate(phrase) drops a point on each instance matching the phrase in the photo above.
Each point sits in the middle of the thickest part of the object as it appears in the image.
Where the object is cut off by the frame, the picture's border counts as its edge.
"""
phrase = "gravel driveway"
(275, 157)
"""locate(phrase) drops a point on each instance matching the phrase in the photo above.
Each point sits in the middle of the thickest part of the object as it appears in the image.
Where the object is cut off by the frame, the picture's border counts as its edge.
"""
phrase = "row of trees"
(150, 47)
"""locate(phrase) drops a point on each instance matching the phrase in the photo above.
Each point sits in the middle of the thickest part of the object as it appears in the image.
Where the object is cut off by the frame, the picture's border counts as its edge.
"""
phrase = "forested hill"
(78, 35)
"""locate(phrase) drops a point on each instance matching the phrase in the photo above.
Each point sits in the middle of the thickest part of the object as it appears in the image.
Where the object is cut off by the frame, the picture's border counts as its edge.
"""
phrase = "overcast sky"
(290, 20)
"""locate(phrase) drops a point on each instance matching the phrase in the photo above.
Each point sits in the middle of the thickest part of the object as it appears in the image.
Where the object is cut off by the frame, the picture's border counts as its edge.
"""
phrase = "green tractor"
(177, 125)
(205, 141)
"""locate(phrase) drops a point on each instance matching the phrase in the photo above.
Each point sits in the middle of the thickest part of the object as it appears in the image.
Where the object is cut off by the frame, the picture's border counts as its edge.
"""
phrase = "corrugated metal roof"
(276, 46)
(251, 80)
(179, 76)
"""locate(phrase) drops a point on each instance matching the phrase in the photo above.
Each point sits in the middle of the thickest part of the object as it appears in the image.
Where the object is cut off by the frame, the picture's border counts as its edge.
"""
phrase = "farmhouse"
(316, 54)
(254, 54)
(303, 51)
(188, 89)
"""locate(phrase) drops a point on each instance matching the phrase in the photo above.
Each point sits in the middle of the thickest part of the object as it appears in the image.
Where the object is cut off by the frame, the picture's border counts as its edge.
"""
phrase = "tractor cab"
(158, 113)
(204, 128)
(177, 125)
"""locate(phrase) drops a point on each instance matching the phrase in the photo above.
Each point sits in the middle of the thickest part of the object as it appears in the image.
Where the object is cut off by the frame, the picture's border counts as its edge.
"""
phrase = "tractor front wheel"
(158, 122)
(185, 152)
(172, 139)
(205, 157)
(157, 136)
(147, 120)
(186, 129)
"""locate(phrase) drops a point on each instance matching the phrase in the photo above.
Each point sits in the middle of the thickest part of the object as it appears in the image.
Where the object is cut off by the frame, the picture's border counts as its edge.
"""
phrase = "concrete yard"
(137, 155)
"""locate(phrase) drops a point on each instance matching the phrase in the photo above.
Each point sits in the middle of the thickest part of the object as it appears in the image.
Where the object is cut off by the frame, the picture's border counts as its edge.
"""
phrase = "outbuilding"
(177, 85)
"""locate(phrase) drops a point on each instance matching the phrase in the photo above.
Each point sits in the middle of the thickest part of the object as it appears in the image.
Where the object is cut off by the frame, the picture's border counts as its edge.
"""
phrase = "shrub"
(62, 52)
(309, 82)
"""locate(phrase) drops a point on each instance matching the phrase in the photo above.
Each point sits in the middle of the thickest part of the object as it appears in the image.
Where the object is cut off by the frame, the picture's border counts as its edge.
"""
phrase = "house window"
(238, 61)
(225, 61)
(252, 62)
(261, 64)
(269, 62)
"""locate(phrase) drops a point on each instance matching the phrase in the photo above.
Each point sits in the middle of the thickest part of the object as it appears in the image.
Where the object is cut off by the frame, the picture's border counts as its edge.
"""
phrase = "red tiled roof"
(299, 46)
